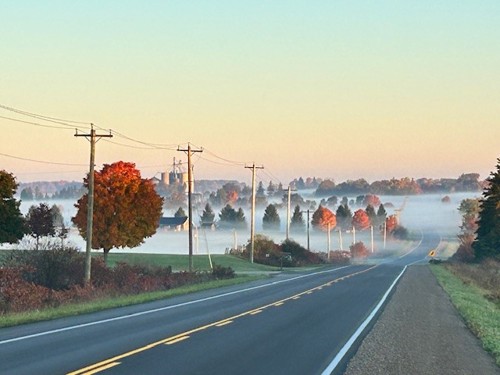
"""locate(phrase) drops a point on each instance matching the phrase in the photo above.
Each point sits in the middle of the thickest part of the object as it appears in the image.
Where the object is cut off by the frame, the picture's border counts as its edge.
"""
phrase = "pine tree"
(208, 216)
(271, 219)
(487, 243)
(297, 221)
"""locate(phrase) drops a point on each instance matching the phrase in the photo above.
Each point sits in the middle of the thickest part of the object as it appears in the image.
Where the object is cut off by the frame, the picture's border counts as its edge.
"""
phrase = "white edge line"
(70, 328)
(360, 329)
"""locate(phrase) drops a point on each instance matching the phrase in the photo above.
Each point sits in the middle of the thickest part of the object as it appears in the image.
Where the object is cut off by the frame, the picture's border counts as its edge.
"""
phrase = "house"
(175, 223)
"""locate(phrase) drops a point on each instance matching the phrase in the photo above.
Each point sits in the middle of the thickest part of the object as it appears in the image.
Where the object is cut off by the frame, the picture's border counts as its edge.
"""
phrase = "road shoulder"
(420, 332)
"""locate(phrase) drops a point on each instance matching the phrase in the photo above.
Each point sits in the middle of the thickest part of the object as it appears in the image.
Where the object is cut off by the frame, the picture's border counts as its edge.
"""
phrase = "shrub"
(340, 257)
(220, 272)
(358, 250)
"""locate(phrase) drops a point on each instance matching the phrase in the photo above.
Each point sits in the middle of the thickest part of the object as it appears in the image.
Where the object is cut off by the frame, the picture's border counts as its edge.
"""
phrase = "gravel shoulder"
(420, 332)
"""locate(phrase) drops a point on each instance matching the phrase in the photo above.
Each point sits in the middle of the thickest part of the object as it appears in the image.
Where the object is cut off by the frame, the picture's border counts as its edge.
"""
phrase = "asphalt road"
(292, 324)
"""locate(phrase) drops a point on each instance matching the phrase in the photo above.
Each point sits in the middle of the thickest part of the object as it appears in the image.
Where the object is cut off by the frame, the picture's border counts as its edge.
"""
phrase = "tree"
(40, 222)
(297, 221)
(381, 215)
(487, 242)
(271, 219)
(12, 223)
(323, 219)
(180, 213)
(57, 217)
(127, 208)
(230, 218)
(391, 223)
(360, 220)
(344, 217)
(370, 211)
(208, 216)
(27, 194)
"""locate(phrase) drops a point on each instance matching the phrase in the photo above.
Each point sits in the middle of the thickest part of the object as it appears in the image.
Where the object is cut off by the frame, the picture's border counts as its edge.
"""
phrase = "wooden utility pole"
(253, 167)
(288, 212)
(190, 152)
(93, 138)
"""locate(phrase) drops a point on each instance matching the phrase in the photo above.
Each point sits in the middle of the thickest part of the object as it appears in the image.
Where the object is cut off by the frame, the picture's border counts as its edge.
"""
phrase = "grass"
(121, 301)
(474, 303)
(181, 262)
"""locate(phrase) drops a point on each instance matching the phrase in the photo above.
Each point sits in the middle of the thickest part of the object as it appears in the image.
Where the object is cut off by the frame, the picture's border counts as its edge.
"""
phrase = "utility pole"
(93, 138)
(308, 223)
(288, 212)
(189, 152)
(253, 167)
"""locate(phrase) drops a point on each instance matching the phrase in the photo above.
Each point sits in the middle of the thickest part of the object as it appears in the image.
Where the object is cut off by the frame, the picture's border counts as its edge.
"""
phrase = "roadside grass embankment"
(245, 272)
(474, 289)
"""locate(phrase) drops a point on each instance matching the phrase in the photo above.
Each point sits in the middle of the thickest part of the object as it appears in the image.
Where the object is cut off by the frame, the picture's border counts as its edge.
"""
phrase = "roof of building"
(172, 221)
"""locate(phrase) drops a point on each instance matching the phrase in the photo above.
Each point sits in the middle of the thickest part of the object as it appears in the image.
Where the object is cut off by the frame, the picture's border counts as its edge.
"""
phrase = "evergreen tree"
(487, 242)
(230, 218)
(208, 216)
(370, 211)
(381, 214)
(344, 217)
(297, 221)
(12, 223)
(260, 190)
(271, 219)
(180, 213)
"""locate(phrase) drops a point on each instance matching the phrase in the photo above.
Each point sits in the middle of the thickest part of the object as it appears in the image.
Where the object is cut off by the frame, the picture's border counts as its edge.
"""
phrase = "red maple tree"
(361, 220)
(127, 208)
(323, 219)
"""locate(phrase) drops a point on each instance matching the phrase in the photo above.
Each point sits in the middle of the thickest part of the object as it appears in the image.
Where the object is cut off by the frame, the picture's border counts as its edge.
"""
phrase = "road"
(292, 324)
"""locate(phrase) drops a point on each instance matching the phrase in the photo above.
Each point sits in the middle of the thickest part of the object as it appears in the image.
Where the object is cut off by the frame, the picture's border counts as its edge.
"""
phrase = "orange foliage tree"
(391, 223)
(361, 220)
(323, 217)
(127, 208)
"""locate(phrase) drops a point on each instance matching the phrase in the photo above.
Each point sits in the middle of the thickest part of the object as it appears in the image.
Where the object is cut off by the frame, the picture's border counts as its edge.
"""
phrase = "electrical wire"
(42, 161)
(38, 124)
(42, 117)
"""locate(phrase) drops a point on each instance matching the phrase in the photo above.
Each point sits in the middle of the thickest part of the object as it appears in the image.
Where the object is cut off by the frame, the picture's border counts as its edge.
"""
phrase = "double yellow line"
(115, 361)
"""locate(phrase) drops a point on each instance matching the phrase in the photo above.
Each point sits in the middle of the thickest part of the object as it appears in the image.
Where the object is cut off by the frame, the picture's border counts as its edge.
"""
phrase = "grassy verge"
(481, 314)
(108, 303)
(181, 262)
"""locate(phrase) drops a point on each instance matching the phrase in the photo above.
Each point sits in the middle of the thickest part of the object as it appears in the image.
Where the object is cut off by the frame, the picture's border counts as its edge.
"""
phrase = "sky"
(332, 89)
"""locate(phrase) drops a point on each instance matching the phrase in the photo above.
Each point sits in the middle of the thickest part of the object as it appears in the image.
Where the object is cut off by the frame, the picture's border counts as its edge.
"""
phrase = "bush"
(220, 272)
(340, 257)
(358, 250)
(57, 269)
(400, 233)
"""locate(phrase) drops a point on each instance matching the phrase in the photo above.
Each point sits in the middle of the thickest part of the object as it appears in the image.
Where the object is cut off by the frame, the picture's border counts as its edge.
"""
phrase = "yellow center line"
(108, 366)
(224, 323)
(175, 341)
(87, 370)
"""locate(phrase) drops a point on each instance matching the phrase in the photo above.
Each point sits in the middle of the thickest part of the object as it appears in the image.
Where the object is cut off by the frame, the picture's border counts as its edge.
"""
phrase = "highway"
(299, 323)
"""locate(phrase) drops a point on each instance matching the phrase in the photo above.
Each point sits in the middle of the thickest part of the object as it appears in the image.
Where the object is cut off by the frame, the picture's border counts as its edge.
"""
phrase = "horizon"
(335, 90)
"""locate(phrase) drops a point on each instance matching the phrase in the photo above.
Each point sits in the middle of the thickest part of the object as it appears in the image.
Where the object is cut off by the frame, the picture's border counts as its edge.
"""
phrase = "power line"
(43, 117)
(41, 161)
(38, 124)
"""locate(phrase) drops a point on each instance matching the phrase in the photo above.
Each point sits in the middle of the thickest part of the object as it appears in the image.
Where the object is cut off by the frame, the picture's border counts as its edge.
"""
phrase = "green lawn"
(181, 262)
(481, 315)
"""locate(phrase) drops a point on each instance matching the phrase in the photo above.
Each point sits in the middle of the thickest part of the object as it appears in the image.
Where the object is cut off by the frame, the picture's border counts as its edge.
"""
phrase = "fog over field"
(419, 212)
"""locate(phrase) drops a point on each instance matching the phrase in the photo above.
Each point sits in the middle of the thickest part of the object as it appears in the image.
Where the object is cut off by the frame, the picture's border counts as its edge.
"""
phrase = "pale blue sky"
(340, 89)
